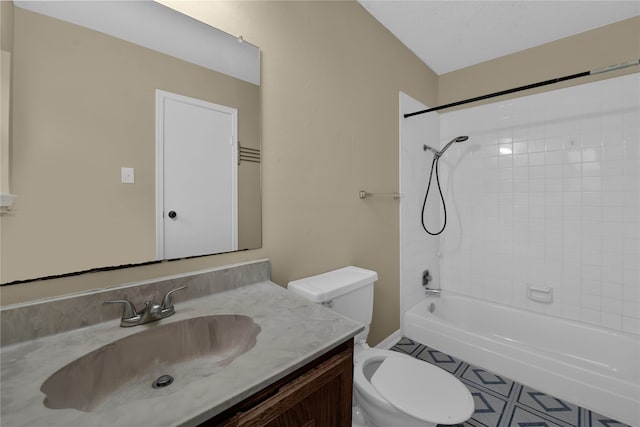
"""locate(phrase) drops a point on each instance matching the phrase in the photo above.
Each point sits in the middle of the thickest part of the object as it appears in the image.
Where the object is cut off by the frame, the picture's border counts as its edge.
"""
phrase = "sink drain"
(162, 381)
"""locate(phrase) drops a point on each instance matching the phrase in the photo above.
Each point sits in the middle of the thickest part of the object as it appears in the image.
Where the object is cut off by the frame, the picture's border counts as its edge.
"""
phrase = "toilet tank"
(348, 290)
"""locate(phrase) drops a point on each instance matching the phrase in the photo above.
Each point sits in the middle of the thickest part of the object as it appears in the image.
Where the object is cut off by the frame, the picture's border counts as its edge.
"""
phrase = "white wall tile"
(611, 320)
(550, 198)
(542, 196)
(631, 325)
(589, 315)
(611, 305)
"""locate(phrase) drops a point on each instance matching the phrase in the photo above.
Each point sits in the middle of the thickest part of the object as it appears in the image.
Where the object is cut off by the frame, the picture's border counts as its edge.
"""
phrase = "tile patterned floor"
(501, 402)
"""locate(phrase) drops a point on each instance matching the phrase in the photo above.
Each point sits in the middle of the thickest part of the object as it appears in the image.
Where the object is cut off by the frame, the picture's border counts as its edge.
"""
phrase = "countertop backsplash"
(36, 319)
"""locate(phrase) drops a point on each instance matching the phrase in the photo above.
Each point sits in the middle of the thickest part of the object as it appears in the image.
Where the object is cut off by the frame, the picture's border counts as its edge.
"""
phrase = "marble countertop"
(293, 333)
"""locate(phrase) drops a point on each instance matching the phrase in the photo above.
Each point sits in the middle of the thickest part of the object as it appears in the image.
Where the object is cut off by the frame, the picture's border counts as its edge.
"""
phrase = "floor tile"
(520, 417)
(441, 360)
(488, 380)
(489, 408)
(405, 345)
(593, 419)
(552, 406)
(502, 402)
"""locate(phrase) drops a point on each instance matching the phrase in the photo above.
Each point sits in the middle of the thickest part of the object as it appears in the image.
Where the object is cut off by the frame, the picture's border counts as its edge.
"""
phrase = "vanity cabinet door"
(320, 397)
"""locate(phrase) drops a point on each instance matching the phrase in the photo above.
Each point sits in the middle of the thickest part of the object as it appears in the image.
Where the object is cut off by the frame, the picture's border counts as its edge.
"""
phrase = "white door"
(196, 177)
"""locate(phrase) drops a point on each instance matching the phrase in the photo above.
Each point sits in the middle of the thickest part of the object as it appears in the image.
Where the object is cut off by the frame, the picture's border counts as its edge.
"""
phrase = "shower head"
(437, 154)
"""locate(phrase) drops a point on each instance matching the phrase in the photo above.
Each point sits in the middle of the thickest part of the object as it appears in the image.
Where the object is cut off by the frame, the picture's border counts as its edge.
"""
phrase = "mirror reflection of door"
(196, 177)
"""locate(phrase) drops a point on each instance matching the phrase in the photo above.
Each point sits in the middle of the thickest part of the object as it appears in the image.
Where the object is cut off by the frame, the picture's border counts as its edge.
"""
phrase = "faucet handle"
(129, 309)
(167, 301)
(426, 278)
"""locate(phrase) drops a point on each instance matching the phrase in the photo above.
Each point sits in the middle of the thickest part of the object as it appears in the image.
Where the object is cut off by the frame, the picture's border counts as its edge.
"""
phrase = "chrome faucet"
(150, 313)
(432, 292)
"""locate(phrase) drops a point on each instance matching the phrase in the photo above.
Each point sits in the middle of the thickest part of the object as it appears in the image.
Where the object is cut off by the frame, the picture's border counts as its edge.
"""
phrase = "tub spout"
(432, 292)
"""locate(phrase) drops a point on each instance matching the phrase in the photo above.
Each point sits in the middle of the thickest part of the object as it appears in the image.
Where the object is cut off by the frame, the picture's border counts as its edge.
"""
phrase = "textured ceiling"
(449, 35)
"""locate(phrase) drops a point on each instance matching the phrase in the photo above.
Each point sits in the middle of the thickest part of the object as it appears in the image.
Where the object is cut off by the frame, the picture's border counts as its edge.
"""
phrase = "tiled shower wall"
(546, 194)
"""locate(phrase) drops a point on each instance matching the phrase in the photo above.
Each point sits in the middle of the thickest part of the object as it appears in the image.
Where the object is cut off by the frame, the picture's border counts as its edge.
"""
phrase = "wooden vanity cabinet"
(316, 395)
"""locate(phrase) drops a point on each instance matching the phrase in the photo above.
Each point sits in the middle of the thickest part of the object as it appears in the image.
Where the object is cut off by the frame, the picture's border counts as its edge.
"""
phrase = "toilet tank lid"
(326, 286)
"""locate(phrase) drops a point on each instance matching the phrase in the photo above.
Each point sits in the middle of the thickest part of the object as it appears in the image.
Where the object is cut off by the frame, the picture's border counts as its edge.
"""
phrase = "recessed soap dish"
(544, 295)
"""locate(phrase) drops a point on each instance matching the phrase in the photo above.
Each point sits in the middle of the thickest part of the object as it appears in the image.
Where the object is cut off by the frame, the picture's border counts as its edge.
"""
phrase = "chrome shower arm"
(433, 150)
(437, 153)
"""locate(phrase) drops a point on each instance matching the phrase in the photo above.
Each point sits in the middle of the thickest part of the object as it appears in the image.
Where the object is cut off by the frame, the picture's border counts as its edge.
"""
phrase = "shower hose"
(434, 166)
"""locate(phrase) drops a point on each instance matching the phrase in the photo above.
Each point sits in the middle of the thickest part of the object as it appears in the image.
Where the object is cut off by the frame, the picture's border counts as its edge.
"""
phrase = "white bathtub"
(592, 367)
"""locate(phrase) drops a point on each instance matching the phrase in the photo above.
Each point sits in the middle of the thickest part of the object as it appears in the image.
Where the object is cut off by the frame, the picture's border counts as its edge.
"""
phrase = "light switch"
(127, 175)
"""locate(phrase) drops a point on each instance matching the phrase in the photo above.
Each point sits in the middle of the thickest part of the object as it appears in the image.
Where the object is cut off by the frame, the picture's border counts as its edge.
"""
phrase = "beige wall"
(6, 46)
(601, 47)
(84, 106)
(330, 82)
(6, 49)
(6, 26)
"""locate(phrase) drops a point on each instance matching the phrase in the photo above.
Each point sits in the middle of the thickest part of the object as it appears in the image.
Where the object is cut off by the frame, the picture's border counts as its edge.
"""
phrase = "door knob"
(172, 214)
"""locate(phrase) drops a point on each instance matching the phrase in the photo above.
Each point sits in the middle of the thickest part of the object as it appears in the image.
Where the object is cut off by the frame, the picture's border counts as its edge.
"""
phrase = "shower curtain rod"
(529, 86)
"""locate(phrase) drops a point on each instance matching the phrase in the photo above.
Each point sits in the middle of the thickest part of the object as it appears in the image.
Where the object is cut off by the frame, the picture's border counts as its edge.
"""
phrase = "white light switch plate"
(127, 175)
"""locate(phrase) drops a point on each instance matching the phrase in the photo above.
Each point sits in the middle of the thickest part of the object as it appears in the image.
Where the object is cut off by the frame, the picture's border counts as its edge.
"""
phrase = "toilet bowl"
(408, 393)
(390, 388)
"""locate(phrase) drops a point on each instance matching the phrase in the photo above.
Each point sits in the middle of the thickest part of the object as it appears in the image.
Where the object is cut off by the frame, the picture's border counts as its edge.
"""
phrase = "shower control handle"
(426, 278)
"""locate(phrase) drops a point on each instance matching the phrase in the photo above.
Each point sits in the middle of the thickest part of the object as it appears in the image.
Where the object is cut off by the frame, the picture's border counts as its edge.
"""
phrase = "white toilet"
(390, 388)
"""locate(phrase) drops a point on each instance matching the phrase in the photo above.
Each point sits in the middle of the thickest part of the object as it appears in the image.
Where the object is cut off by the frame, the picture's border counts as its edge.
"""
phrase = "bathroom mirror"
(83, 135)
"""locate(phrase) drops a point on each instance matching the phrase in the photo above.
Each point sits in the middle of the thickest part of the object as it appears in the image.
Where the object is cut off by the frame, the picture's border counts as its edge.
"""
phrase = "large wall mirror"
(88, 92)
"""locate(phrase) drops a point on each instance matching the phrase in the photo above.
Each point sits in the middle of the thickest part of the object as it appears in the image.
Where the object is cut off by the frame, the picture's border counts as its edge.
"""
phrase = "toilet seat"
(416, 388)
(423, 391)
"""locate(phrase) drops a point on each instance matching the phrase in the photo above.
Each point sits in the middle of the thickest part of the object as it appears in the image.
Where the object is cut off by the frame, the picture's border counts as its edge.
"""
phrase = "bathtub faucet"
(432, 292)
(426, 280)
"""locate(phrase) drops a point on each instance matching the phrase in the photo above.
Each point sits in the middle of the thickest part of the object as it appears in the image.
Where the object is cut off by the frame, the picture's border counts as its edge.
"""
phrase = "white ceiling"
(449, 35)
